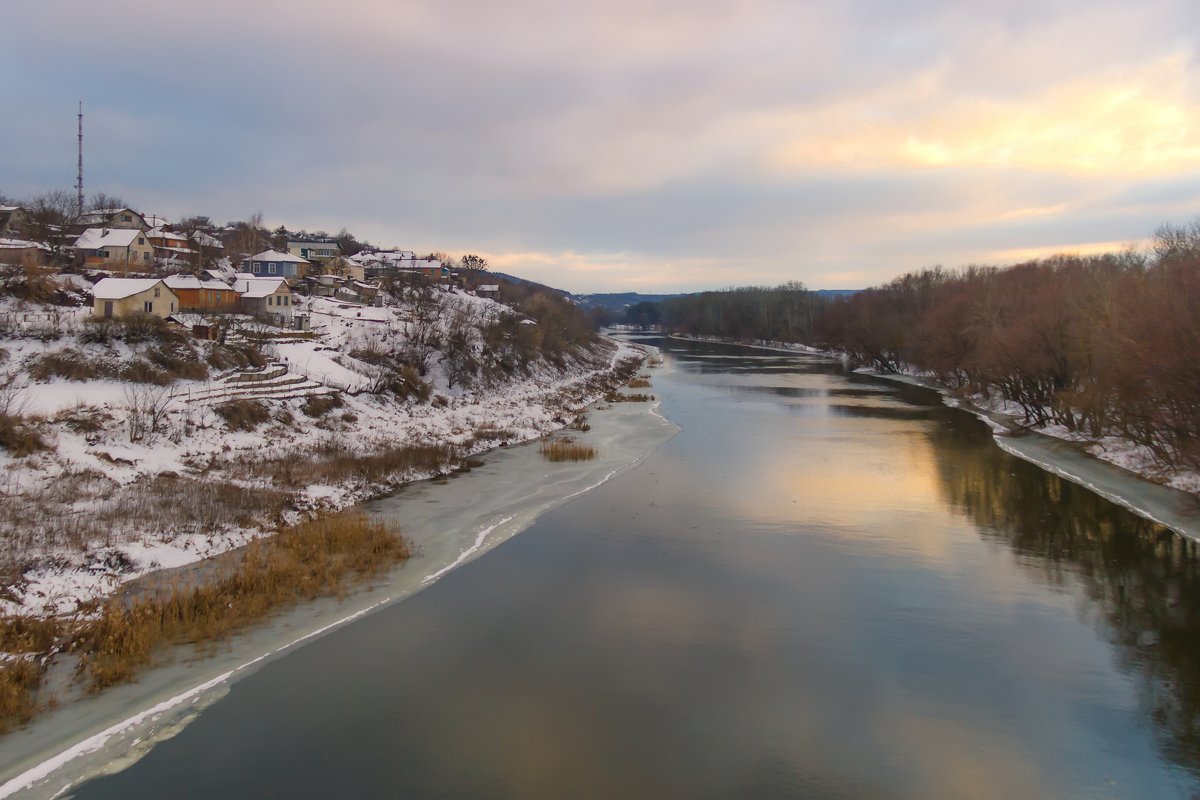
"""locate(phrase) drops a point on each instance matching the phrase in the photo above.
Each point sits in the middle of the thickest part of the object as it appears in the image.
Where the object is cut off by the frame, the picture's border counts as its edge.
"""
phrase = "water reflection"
(824, 587)
(1140, 581)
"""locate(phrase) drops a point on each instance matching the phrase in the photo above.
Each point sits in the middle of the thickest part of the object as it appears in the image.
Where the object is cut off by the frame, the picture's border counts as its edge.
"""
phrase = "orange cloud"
(1140, 124)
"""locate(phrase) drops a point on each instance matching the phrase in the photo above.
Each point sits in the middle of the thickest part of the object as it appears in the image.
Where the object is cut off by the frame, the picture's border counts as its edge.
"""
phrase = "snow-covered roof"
(101, 214)
(120, 288)
(183, 251)
(10, 208)
(20, 244)
(490, 287)
(255, 288)
(96, 238)
(420, 263)
(194, 282)
(275, 255)
(208, 241)
(159, 233)
(154, 221)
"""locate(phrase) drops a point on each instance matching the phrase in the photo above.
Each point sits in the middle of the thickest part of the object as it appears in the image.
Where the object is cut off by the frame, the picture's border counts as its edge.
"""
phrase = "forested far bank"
(1105, 345)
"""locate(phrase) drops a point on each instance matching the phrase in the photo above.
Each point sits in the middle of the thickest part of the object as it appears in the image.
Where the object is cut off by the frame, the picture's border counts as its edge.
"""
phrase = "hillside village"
(172, 391)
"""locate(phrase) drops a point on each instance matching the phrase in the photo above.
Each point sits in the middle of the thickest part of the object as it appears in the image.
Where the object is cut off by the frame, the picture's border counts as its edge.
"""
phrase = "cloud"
(664, 144)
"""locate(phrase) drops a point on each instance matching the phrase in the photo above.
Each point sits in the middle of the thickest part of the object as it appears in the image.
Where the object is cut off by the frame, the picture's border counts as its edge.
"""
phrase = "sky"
(607, 145)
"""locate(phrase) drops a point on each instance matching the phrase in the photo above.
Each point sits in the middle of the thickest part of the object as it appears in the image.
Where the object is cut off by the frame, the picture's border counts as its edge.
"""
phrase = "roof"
(96, 238)
(275, 255)
(207, 240)
(101, 214)
(255, 288)
(120, 288)
(20, 244)
(159, 233)
(194, 282)
(491, 287)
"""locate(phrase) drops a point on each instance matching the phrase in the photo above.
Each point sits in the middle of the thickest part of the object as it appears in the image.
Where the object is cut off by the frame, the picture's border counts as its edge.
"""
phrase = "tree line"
(1104, 344)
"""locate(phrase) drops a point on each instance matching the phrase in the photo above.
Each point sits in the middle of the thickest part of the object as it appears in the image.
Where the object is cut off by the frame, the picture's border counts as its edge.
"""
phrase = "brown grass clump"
(19, 680)
(567, 450)
(21, 674)
(640, 382)
(309, 560)
(332, 464)
(17, 437)
(243, 415)
(617, 397)
(320, 405)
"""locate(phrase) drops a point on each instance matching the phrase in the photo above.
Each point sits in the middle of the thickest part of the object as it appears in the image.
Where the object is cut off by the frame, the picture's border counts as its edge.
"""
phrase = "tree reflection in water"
(1140, 580)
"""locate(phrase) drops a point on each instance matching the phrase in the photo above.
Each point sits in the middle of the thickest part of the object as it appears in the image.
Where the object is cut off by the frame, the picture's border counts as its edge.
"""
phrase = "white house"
(116, 248)
(122, 297)
(267, 298)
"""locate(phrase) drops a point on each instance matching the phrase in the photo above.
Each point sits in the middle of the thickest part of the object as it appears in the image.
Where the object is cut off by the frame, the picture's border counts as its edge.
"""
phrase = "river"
(825, 586)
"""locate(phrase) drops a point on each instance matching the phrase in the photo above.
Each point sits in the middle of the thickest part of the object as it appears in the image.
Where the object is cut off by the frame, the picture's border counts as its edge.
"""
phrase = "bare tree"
(49, 219)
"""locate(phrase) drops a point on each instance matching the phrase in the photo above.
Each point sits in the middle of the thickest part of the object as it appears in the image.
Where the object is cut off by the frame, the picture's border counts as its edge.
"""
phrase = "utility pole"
(79, 178)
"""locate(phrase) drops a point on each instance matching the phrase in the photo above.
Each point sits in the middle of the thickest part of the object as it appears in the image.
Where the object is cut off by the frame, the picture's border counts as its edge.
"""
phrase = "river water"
(823, 587)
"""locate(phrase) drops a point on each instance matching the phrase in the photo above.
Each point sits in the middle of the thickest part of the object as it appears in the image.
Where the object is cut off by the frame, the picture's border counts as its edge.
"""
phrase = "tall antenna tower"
(79, 178)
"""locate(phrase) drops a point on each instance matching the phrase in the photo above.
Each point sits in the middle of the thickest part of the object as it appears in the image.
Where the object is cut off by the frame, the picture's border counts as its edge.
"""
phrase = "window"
(102, 253)
(145, 256)
(284, 300)
(156, 291)
(141, 240)
(270, 300)
(148, 307)
(270, 269)
(126, 218)
(256, 268)
(172, 308)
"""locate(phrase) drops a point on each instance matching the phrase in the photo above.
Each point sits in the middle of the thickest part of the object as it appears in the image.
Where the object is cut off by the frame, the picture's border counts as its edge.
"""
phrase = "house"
(345, 268)
(172, 247)
(317, 250)
(113, 218)
(112, 248)
(273, 263)
(203, 294)
(23, 253)
(123, 297)
(488, 290)
(428, 268)
(265, 298)
(12, 221)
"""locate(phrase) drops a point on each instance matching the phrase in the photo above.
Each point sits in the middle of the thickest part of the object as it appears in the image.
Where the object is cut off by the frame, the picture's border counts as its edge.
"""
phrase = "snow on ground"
(1004, 416)
(193, 439)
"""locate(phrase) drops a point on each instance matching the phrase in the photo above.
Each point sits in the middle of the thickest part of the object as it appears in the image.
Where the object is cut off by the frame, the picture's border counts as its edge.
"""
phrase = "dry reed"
(312, 559)
(567, 450)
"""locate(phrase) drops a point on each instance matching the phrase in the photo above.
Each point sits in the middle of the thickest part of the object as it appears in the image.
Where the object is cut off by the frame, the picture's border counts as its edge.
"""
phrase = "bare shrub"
(146, 408)
(319, 405)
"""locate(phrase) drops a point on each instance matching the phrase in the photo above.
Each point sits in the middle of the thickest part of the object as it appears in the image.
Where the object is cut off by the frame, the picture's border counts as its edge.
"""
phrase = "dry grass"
(23, 639)
(19, 680)
(312, 559)
(243, 415)
(319, 405)
(17, 437)
(640, 382)
(567, 449)
(332, 464)
(617, 397)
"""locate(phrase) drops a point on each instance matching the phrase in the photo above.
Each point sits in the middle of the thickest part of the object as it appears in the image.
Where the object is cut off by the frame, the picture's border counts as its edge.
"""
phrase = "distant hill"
(617, 301)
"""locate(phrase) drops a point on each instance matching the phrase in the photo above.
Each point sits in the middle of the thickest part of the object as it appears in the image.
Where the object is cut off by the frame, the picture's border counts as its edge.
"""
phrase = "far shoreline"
(1163, 505)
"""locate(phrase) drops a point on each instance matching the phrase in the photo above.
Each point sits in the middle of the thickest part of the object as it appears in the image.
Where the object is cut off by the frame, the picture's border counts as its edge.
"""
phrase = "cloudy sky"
(607, 145)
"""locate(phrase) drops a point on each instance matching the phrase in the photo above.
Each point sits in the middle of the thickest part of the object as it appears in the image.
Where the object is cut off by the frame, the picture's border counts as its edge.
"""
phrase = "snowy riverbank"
(450, 522)
(1116, 470)
(133, 477)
